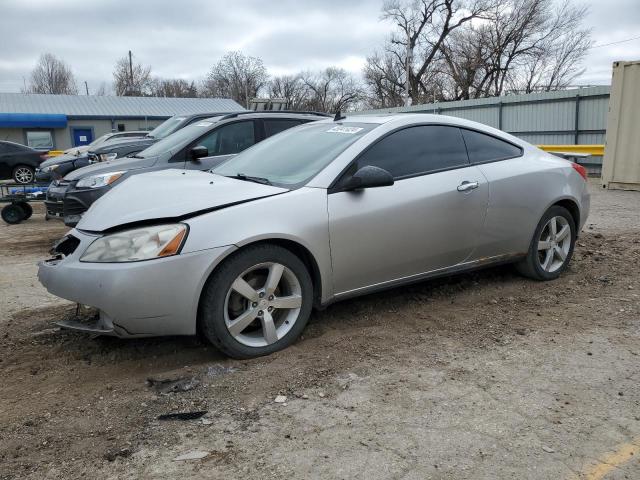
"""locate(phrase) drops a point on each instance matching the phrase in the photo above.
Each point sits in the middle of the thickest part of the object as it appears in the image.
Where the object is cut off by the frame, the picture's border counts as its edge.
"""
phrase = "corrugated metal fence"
(567, 117)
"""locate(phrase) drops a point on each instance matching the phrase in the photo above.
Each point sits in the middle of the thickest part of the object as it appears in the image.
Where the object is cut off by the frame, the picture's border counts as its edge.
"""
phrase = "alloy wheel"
(262, 304)
(554, 244)
(23, 175)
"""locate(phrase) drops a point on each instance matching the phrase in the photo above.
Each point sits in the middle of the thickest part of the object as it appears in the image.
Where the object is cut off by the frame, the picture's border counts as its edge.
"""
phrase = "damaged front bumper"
(89, 320)
(133, 299)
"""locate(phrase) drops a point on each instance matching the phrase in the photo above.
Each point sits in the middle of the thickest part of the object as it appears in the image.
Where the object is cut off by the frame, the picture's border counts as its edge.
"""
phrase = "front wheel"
(257, 302)
(551, 247)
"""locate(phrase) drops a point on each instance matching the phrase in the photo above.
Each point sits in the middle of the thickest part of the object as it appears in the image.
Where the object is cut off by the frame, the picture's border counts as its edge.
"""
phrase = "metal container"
(621, 169)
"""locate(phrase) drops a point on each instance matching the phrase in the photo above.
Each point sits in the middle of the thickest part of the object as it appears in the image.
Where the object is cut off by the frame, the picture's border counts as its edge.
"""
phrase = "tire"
(24, 174)
(28, 210)
(253, 324)
(13, 214)
(542, 263)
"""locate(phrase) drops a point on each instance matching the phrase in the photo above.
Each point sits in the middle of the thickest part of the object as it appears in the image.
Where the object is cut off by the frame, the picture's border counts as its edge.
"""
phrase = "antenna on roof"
(338, 116)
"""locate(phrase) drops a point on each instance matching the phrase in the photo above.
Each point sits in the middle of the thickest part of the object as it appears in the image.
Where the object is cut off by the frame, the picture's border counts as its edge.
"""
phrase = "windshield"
(99, 140)
(167, 127)
(295, 156)
(179, 139)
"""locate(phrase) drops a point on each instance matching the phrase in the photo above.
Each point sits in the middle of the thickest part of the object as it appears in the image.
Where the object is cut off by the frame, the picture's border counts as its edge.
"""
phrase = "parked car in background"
(19, 162)
(317, 214)
(79, 150)
(199, 146)
(108, 149)
(115, 145)
(59, 166)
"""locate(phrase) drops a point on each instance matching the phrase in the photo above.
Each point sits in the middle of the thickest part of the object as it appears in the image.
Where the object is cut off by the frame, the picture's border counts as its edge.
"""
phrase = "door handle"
(466, 186)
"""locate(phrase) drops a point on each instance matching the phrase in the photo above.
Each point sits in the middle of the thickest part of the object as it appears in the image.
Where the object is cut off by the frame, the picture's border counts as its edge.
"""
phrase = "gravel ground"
(479, 376)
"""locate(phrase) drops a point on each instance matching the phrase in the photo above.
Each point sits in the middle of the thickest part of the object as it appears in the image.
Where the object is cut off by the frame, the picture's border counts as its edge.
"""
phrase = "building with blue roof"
(58, 122)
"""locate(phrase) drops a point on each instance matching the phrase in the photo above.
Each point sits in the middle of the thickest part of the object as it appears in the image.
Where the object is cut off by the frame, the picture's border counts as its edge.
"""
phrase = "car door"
(5, 169)
(222, 142)
(428, 220)
(513, 211)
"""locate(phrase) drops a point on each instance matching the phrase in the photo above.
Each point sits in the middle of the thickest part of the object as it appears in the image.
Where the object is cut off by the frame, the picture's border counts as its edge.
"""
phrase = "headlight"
(138, 244)
(97, 181)
(104, 157)
(50, 168)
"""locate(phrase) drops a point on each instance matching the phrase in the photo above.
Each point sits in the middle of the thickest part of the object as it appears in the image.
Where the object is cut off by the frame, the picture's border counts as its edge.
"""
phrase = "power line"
(615, 43)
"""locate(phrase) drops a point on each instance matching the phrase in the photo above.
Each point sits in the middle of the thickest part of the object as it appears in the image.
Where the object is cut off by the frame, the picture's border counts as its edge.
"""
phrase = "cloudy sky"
(184, 38)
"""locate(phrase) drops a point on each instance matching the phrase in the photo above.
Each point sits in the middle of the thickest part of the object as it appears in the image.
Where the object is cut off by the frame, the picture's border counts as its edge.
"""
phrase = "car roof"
(13, 143)
(276, 114)
(407, 119)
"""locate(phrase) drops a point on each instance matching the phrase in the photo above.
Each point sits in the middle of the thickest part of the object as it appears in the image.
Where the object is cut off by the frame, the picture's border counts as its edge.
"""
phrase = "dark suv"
(113, 145)
(199, 146)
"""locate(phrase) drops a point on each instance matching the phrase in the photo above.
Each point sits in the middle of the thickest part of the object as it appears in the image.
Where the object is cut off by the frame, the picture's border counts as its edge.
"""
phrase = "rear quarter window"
(485, 148)
(273, 126)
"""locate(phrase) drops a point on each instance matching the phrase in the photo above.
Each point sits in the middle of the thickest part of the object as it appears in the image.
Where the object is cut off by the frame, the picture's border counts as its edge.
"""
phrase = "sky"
(185, 38)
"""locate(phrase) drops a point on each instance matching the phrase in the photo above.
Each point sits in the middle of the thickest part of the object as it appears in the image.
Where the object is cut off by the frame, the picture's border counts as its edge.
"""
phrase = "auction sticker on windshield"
(342, 129)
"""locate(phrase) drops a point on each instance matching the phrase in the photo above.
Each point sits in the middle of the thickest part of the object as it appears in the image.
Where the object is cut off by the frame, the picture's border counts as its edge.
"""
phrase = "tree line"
(437, 50)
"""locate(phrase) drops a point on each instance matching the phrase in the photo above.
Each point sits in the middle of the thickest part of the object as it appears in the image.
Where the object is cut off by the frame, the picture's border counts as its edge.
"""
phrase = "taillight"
(580, 169)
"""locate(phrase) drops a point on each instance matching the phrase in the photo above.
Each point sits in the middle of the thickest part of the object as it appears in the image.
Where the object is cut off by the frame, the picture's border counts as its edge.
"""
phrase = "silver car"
(316, 214)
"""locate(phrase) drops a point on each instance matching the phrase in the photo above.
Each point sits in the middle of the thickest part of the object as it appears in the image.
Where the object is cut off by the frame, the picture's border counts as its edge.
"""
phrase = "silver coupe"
(319, 213)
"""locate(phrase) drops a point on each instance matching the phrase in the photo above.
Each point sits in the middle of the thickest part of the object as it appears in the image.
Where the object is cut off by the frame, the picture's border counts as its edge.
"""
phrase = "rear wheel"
(23, 174)
(257, 302)
(551, 247)
(13, 214)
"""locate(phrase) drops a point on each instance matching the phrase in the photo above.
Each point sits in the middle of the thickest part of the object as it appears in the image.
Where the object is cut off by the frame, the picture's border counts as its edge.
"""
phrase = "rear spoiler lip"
(569, 155)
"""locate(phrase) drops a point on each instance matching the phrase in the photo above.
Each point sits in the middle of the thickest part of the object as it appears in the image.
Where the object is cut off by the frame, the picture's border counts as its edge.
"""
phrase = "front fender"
(299, 216)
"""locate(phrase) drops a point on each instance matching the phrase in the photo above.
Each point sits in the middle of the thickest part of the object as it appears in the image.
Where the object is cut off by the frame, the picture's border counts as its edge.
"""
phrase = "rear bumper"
(134, 299)
(585, 206)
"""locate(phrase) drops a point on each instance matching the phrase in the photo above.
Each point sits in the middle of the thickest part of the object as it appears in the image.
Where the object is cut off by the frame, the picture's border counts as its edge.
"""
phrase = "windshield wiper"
(135, 156)
(248, 178)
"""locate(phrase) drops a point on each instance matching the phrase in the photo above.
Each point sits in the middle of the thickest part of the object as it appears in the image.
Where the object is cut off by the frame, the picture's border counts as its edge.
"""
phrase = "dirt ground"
(479, 376)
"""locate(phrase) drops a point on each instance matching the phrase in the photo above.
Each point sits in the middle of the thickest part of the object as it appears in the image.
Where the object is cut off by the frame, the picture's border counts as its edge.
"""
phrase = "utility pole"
(86, 87)
(130, 74)
(407, 86)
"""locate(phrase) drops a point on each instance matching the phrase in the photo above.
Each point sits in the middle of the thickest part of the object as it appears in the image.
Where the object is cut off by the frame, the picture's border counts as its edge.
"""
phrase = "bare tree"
(420, 29)
(131, 78)
(533, 44)
(384, 76)
(292, 89)
(52, 75)
(331, 90)
(557, 61)
(177, 87)
(102, 90)
(236, 76)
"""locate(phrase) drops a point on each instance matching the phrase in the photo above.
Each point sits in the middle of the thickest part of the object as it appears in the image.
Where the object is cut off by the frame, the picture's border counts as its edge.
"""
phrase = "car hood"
(123, 142)
(117, 165)
(169, 194)
(75, 151)
(58, 160)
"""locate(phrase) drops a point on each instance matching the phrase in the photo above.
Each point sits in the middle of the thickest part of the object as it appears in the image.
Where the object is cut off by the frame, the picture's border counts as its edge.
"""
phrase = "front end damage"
(128, 299)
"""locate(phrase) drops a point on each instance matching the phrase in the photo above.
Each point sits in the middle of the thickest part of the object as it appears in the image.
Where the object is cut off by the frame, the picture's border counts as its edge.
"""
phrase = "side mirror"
(199, 152)
(369, 177)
